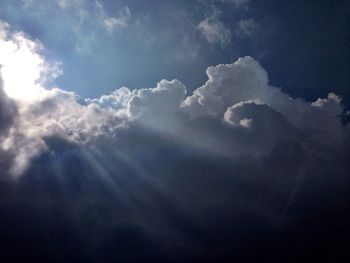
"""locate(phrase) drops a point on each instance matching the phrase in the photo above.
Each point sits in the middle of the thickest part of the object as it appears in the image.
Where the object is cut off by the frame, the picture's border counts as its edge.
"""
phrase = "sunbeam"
(174, 131)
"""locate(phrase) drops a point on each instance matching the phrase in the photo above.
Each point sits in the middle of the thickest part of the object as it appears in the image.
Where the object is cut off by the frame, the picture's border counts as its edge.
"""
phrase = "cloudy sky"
(198, 130)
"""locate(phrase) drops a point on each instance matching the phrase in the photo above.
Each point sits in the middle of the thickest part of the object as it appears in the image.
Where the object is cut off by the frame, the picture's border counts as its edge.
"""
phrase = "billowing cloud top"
(160, 174)
(238, 95)
(185, 168)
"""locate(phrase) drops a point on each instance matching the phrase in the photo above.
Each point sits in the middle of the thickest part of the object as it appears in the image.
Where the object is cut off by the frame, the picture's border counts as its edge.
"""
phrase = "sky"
(303, 46)
(174, 131)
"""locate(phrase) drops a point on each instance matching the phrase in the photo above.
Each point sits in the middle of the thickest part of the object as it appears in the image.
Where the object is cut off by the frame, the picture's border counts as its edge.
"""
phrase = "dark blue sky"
(303, 45)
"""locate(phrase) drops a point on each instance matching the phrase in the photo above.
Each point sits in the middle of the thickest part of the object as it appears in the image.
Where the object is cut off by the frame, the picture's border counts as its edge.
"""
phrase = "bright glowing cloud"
(237, 95)
(214, 163)
(24, 70)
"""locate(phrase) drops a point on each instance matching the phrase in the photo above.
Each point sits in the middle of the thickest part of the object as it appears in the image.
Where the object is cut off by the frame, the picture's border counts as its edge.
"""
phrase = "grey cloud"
(235, 113)
(8, 109)
(237, 171)
(163, 100)
(238, 94)
(145, 105)
(152, 175)
(261, 118)
(246, 80)
(247, 27)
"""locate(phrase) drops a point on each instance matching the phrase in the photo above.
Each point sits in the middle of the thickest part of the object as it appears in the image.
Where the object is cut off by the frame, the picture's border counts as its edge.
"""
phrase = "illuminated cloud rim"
(238, 96)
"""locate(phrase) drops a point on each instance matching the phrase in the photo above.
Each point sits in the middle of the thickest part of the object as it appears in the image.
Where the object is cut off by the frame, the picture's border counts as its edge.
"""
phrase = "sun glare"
(18, 84)
(22, 67)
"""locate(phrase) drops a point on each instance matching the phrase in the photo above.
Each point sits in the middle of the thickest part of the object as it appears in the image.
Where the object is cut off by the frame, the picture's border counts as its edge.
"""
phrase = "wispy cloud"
(247, 27)
(112, 23)
(214, 31)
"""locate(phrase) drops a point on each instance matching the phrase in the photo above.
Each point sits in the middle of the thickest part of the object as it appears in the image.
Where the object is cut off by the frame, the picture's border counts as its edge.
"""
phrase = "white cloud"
(227, 85)
(24, 70)
(245, 80)
(254, 115)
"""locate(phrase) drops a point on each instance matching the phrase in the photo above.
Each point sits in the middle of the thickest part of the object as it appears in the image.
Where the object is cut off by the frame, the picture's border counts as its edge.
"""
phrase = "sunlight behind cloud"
(24, 70)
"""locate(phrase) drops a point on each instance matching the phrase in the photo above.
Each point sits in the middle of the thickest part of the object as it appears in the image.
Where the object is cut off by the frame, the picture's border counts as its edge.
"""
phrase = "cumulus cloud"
(246, 80)
(203, 171)
(237, 94)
